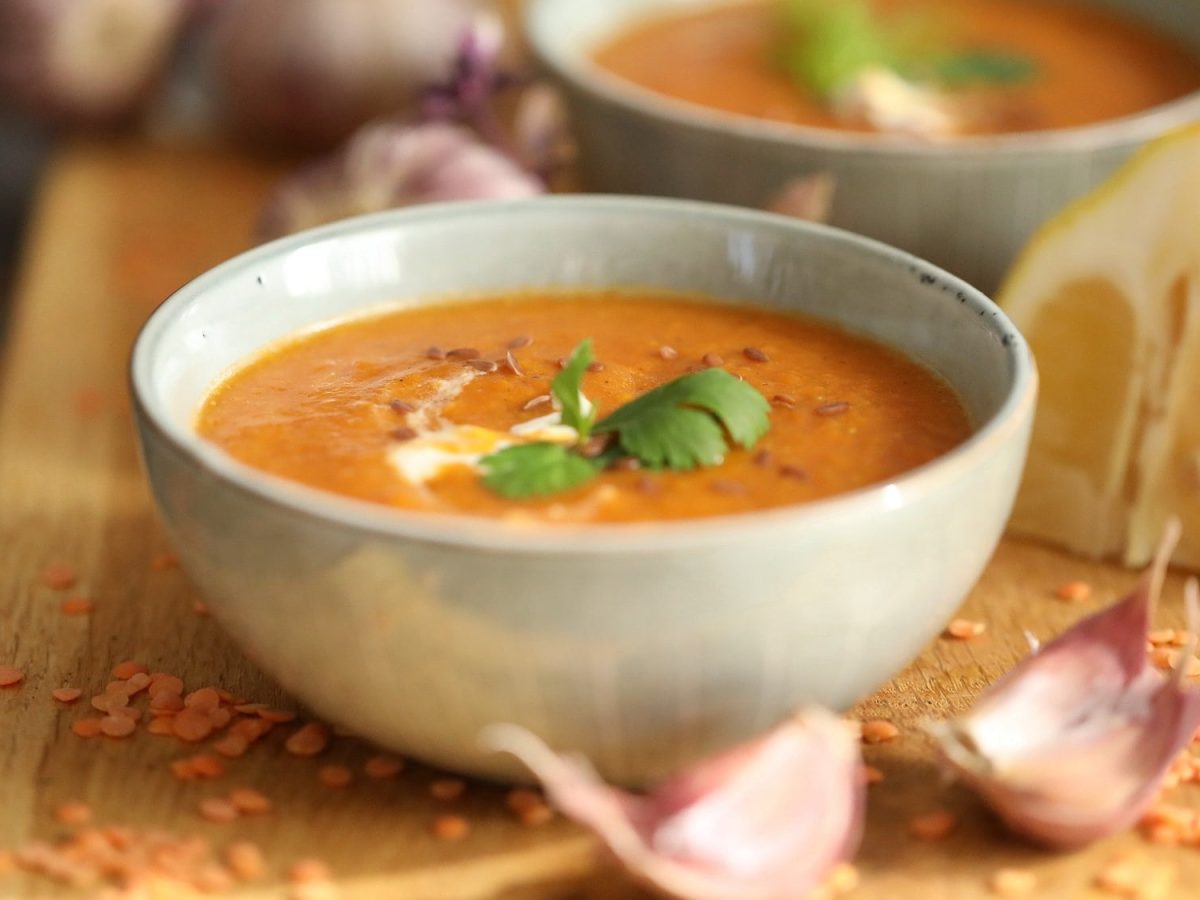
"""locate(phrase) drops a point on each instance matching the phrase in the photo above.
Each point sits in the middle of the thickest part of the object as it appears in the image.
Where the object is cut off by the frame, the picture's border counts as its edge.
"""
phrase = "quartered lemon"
(1108, 295)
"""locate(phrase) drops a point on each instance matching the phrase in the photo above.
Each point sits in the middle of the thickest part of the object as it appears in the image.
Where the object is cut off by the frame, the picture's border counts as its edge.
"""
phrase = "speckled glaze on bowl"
(643, 646)
(967, 205)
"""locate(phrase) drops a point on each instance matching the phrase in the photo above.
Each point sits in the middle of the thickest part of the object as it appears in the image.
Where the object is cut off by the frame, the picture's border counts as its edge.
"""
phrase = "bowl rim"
(578, 70)
(578, 538)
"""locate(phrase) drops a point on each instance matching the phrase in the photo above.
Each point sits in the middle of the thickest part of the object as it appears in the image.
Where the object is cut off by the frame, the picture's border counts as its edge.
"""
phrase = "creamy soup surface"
(1090, 64)
(370, 409)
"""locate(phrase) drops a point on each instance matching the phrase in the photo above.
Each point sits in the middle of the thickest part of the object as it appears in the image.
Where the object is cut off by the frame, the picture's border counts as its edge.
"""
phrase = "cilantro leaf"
(537, 469)
(577, 411)
(679, 424)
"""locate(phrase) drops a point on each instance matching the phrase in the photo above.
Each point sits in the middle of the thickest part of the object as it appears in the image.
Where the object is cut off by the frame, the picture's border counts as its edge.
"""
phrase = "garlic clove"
(94, 62)
(765, 821)
(386, 166)
(809, 197)
(1072, 744)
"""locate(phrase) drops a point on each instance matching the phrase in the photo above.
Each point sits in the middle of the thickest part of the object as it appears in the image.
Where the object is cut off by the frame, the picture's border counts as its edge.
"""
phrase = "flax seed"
(403, 433)
(595, 366)
(648, 485)
(668, 353)
(520, 343)
(755, 355)
(729, 488)
(628, 464)
(535, 402)
(933, 826)
(463, 353)
(785, 400)
(832, 409)
(879, 731)
(712, 360)
(435, 353)
(402, 406)
(483, 365)
(793, 471)
(513, 365)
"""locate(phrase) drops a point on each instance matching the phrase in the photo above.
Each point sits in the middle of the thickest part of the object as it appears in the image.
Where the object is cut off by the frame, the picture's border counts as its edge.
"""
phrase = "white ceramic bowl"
(643, 646)
(967, 205)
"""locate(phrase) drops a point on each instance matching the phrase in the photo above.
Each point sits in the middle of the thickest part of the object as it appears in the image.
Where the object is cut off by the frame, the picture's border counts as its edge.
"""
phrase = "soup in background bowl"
(643, 644)
(968, 203)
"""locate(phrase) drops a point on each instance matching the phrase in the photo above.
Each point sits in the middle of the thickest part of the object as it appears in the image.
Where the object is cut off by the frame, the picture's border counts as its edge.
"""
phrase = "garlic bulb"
(89, 61)
(765, 821)
(1073, 743)
(387, 166)
(309, 72)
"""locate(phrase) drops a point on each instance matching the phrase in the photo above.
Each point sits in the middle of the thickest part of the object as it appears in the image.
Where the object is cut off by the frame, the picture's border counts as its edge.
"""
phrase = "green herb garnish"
(828, 43)
(683, 424)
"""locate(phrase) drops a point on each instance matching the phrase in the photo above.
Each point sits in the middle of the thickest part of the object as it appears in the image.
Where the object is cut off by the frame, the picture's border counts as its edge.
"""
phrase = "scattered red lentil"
(965, 629)
(383, 766)
(66, 694)
(203, 700)
(118, 726)
(933, 826)
(872, 775)
(86, 727)
(1012, 882)
(335, 776)
(59, 576)
(231, 746)
(191, 725)
(879, 731)
(128, 669)
(164, 561)
(218, 809)
(10, 676)
(250, 801)
(245, 861)
(1073, 591)
(77, 606)
(447, 789)
(450, 828)
(309, 740)
(199, 607)
(277, 716)
(73, 814)
(205, 766)
(304, 871)
(160, 726)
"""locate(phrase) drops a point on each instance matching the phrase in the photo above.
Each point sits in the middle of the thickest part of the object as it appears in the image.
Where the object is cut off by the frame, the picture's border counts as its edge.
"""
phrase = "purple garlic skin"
(765, 821)
(387, 166)
(1073, 743)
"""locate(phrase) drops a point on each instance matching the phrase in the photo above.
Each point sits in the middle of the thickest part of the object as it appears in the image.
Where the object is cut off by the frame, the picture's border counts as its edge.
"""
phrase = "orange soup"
(1086, 64)
(396, 408)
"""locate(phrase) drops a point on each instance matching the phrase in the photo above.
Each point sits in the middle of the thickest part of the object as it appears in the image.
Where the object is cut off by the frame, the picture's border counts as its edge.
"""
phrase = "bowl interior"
(423, 255)
(566, 32)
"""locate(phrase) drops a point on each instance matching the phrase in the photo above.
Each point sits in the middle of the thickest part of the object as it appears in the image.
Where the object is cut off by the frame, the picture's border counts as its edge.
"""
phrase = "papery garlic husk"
(1073, 743)
(765, 821)
(387, 166)
(92, 62)
(309, 72)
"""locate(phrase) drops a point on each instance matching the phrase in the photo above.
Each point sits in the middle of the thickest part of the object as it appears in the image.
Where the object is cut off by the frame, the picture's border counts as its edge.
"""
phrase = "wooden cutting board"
(118, 226)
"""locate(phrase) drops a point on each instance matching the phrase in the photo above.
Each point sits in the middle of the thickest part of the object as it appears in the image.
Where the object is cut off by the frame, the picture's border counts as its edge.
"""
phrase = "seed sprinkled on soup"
(363, 409)
(931, 68)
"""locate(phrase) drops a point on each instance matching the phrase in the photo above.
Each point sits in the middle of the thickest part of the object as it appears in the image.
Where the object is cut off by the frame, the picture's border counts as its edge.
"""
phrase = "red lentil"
(218, 809)
(10, 676)
(450, 828)
(335, 776)
(879, 731)
(77, 606)
(245, 860)
(1073, 591)
(66, 694)
(933, 826)
(59, 576)
(383, 766)
(447, 789)
(309, 740)
(965, 629)
(73, 814)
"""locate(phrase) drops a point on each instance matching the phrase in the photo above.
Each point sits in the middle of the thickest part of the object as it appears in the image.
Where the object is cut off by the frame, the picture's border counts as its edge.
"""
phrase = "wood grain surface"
(118, 226)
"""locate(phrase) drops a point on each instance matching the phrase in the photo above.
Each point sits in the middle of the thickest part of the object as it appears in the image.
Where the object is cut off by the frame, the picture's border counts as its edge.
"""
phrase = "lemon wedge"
(1108, 295)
